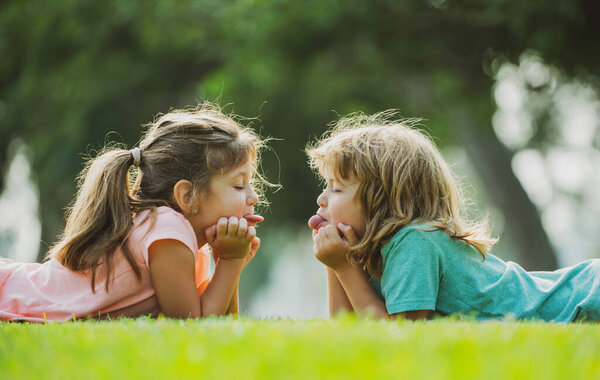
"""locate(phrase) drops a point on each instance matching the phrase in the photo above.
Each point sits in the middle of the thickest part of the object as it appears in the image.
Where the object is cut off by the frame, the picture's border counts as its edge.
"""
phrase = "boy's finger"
(222, 226)
(330, 231)
(242, 227)
(321, 234)
(348, 233)
(232, 227)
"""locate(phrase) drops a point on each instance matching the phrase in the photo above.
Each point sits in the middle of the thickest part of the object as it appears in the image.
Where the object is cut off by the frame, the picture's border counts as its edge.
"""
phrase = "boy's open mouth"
(316, 221)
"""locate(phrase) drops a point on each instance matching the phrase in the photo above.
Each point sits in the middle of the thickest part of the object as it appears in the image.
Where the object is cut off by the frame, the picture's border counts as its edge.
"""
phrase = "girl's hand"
(253, 248)
(331, 248)
(231, 238)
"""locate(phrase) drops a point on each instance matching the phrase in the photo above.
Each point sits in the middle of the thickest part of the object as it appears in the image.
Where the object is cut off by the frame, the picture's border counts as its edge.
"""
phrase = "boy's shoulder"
(415, 234)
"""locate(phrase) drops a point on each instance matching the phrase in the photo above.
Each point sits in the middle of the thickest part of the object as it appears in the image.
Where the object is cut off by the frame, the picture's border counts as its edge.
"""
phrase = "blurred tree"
(432, 59)
(71, 71)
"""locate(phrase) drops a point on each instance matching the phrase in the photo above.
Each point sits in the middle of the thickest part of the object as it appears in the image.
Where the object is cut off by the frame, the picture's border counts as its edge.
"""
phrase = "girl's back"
(50, 291)
(425, 269)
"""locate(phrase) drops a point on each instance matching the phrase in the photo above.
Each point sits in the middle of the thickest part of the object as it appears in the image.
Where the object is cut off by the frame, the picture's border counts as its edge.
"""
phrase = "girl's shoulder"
(163, 215)
(164, 223)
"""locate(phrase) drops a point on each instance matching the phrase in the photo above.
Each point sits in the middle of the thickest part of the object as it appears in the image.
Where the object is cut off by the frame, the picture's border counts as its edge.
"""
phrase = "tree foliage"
(74, 70)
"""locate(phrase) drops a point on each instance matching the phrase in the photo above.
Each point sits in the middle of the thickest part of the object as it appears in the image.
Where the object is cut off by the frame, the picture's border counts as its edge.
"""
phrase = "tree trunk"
(492, 161)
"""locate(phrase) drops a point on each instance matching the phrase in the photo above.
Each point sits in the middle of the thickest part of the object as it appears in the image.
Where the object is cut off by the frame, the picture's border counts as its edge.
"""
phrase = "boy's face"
(338, 203)
(230, 194)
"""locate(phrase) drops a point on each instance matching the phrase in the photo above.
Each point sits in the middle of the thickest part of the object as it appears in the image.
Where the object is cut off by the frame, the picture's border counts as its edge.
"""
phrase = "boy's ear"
(182, 192)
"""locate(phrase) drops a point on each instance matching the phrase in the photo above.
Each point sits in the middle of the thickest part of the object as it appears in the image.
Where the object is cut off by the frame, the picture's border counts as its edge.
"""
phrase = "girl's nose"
(252, 197)
(322, 200)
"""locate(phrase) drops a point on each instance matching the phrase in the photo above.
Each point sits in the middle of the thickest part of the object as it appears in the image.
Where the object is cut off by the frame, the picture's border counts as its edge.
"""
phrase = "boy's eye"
(240, 187)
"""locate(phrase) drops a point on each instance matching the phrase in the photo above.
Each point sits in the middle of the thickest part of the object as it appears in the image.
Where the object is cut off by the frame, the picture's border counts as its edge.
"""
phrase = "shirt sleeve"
(169, 226)
(411, 274)
(202, 269)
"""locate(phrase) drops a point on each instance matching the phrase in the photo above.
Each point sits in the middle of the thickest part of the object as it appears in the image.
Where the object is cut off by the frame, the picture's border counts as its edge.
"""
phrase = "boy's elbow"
(413, 315)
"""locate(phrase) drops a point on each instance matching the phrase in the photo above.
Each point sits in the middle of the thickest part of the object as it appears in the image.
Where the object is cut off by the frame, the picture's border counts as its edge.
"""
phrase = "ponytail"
(99, 220)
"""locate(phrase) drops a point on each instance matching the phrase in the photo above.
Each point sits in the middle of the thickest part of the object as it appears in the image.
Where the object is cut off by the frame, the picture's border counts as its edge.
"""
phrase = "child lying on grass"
(132, 251)
(389, 230)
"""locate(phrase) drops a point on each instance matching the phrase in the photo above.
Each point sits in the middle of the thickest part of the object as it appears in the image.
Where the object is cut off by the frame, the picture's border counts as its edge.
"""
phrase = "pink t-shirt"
(49, 291)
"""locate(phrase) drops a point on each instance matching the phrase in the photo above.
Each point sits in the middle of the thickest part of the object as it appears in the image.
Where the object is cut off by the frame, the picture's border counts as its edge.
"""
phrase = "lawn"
(305, 349)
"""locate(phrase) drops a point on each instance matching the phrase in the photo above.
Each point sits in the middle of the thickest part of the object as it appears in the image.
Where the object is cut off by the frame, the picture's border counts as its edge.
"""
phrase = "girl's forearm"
(362, 297)
(338, 300)
(233, 307)
(219, 293)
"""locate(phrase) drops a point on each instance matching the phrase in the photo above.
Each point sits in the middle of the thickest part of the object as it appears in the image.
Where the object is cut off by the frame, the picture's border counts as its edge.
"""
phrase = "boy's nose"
(322, 200)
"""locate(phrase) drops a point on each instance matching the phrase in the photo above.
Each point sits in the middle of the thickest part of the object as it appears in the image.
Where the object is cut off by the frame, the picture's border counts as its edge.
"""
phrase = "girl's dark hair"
(192, 144)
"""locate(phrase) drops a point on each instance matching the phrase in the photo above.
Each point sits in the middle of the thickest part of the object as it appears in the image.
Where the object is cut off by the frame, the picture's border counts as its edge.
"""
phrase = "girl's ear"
(182, 192)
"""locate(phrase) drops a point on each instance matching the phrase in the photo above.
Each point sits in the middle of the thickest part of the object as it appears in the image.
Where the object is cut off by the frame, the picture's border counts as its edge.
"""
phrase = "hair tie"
(137, 156)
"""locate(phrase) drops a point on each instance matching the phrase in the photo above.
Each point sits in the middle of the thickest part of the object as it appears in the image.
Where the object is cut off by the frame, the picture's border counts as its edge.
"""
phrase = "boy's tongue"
(316, 221)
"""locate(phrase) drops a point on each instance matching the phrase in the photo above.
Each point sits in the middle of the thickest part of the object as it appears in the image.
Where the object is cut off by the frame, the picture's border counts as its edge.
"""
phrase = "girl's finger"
(251, 234)
(232, 227)
(242, 227)
(255, 245)
(222, 226)
(211, 233)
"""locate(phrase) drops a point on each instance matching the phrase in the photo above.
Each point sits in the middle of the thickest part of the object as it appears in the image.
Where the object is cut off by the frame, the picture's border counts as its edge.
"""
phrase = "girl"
(389, 230)
(131, 252)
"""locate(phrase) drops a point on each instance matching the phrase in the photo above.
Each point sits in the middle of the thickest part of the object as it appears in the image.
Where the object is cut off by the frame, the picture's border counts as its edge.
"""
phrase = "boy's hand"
(232, 238)
(331, 248)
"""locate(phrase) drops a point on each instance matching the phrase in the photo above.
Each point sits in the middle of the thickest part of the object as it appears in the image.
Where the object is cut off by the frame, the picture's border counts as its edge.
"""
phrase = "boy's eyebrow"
(337, 181)
(240, 173)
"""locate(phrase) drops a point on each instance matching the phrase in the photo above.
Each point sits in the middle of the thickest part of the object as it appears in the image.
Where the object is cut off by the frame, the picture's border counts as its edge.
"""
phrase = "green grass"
(341, 348)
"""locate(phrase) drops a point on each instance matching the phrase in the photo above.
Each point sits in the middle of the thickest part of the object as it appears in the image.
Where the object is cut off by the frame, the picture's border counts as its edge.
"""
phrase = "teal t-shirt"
(428, 270)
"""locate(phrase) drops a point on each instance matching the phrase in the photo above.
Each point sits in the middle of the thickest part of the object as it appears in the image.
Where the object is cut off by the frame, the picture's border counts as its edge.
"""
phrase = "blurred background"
(509, 90)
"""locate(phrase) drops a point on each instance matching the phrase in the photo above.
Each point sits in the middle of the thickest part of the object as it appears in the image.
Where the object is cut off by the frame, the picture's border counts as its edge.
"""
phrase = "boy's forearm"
(218, 295)
(362, 297)
(338, 300)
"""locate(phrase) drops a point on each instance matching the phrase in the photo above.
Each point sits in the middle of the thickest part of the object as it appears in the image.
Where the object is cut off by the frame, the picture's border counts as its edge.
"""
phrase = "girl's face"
(338, 204)
(230, 194)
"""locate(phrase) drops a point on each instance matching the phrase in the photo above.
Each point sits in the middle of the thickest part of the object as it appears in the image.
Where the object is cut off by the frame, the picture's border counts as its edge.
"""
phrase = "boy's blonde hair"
(402, 178)
(192, 144)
